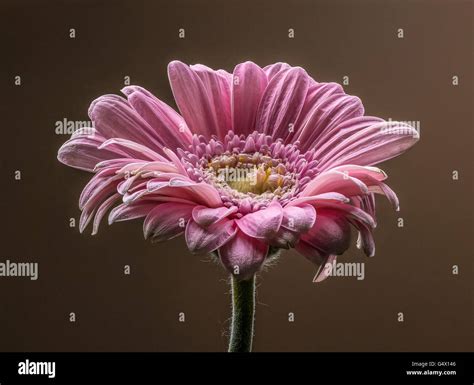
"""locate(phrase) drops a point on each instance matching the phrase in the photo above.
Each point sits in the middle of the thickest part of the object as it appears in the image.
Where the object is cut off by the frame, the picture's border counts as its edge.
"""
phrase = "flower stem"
(243, 310)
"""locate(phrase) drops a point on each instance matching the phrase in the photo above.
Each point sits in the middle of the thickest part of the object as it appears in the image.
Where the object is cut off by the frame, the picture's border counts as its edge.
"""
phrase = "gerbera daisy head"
(256, 161)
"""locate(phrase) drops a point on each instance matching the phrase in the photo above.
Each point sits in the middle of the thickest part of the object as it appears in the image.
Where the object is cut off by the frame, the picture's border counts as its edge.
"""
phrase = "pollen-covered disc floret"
(256, 160)
(250, 172)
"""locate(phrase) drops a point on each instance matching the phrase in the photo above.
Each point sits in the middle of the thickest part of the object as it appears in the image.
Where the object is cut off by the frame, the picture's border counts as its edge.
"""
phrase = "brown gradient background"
(404, 79)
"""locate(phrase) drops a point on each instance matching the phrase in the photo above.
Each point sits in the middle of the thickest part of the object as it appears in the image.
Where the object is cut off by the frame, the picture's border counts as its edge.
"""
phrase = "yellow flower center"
(252, 174)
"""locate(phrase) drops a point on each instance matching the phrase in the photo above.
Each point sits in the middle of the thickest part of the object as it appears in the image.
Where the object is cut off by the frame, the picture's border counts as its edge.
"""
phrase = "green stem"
(243, 310)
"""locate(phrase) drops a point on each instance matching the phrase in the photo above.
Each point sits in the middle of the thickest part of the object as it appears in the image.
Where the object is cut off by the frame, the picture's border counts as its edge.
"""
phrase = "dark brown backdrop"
(404, 79)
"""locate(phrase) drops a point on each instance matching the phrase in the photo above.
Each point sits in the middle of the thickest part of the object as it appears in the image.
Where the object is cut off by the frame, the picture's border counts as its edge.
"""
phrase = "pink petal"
(345, 210)
(331, 234)
(330, 108)
(325, 262)
(282, 102)
(175, 160)
(310, 252)
(103, 180)
(161, 167)
(371, 145)
(365, 240)
(97, 191)
(133, 149)
(316, 93)
(285, 238)
(272, 69)
(129, 183)
(329, 139)
(262, 224)
(169, 125)
(204, 240)
(116, 163)
(200, 193)
(124, 212)
(324, 269)
(203, 193)
(243, 255)
(329, 197)
(363, 173)
(248, 85)
(299, 219)
(335, 181)
(193, 99)
(218, 87)
(114, 117)
(102, 210)
(158, 198)
(81, 151)
(166, 221)
(365, 203)
(382, 188)
(205, 216)
(372, 177)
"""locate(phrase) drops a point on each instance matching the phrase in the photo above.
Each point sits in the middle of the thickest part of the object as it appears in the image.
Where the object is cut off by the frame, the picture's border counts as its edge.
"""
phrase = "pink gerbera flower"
(258, 160)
